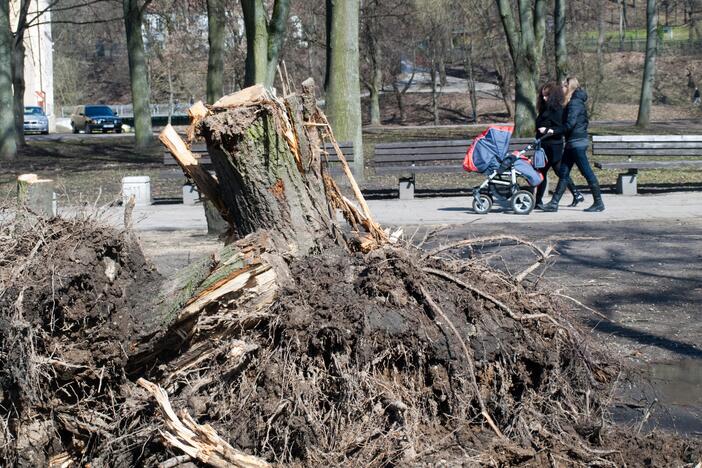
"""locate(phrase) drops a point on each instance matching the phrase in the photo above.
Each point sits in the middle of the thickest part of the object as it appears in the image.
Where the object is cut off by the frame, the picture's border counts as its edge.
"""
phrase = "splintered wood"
(199, 441)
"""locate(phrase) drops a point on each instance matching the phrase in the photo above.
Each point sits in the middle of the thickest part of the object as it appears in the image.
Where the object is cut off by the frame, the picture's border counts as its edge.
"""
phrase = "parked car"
(95, 117)
(35, 120)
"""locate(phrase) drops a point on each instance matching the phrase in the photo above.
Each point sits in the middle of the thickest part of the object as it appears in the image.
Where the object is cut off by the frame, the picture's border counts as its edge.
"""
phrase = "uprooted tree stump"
(302, 341)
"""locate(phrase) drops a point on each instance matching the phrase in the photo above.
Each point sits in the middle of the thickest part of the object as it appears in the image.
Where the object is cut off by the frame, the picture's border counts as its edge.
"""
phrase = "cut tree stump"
(36, 194)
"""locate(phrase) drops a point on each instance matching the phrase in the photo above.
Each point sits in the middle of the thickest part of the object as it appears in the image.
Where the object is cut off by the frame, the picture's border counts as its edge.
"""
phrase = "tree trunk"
(376, 80)
(215, 55)
(649, 74)
(138, 73)
(526, 45)
(599, 57)
(343, 100)
(559, 16)
(472, 94)
(525, 95)
(8, 143)
(18, 87)
(264, 39)
(434, 92)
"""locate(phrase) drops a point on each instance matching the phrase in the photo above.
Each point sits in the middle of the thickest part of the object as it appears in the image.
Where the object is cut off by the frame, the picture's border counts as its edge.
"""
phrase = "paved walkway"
(450, 210)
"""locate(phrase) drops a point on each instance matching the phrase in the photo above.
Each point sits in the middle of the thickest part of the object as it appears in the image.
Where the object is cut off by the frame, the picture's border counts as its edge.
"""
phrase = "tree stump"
(36, 194)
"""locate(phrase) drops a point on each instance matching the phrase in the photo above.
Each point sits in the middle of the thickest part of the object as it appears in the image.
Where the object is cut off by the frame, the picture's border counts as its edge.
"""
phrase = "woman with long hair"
(549, 124)
(575, 123)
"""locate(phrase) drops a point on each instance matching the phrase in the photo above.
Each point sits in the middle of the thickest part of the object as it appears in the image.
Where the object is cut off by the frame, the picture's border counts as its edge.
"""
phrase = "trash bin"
(139, 187)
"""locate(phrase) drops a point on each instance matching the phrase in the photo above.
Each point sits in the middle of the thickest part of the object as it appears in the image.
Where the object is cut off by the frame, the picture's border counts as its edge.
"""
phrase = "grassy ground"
(91, 169)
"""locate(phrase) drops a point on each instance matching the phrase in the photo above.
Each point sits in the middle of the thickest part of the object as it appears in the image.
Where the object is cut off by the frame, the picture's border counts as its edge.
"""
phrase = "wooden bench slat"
(643, 146)
(651, 152)
(423, 144)
(409, 159)
(417, 169)
(648, 164)
(646, 138)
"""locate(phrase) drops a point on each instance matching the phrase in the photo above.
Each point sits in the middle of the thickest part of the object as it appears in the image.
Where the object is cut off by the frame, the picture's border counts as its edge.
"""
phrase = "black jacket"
(575, 117)
(553, 119)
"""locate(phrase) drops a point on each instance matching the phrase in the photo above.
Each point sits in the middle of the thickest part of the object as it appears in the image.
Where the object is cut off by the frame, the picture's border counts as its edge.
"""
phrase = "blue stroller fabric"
(490, 150)
(527, 171)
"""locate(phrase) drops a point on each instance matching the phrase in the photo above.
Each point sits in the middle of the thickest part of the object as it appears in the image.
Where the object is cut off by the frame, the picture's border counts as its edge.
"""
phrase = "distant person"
(696, 97)
(549, 124)
(575, 123)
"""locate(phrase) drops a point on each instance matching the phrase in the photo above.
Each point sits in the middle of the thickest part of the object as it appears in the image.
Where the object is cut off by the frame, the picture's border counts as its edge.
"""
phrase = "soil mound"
(381, 359)
(72, 297)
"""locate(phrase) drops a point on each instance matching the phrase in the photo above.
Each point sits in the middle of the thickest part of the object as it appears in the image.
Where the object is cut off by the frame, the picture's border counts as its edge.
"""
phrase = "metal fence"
(125, 110)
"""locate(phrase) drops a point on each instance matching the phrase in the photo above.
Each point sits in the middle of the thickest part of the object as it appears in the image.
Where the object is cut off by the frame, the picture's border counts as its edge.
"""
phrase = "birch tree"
(526, 44)
(649, 73)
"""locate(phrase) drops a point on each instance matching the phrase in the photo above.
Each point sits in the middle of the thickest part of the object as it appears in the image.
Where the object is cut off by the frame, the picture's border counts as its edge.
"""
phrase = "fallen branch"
(547, 254)
(490, 298)
(490, 239)
(469, 357)
(198, 441)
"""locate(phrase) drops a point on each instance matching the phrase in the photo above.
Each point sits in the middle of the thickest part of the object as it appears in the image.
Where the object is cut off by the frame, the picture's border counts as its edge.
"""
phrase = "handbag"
(540, 158)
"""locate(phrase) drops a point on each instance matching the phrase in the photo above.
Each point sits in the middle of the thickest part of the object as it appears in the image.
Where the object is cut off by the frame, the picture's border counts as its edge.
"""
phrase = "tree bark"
(599, 57)
(434, 91)
(138, 73)
(375, 61)
(343, 100)
(18, 87)
(472, 94)
(649, 73)
(8, 143)
(526, 44)
(215, 55)
(264, 39)
(559, 15)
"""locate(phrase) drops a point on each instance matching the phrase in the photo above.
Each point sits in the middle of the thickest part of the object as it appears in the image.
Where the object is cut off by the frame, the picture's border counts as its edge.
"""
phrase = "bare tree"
(8, 145)
(264, 39)
(526, 43)
(649, 73)
(215, 56)
(343, 98)
(559, 19)
(138, 72)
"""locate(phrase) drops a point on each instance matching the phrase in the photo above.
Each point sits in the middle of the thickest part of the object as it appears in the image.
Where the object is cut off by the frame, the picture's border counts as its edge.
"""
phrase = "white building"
(38, 60)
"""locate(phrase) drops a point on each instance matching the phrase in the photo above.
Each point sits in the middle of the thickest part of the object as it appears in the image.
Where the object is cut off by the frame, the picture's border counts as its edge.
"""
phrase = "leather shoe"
(577, 198)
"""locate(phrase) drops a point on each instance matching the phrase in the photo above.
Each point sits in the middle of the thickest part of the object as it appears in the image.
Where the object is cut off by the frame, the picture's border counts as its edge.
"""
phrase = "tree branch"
(510, 27)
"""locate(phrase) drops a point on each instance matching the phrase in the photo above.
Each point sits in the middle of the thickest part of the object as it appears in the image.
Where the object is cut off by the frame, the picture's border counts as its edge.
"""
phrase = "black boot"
(598, 205)
(552, 206)
(577, 196)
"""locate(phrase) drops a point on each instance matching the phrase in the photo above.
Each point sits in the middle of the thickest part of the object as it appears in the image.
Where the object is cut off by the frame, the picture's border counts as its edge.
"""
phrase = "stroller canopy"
(488, 149)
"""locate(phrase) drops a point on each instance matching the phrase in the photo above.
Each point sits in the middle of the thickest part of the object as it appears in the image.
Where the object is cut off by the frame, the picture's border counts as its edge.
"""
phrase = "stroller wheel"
(482, 204)
(523, 202)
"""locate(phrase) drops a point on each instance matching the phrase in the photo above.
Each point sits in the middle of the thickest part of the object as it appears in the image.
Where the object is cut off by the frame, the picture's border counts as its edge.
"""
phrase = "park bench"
(199, 150)
(646, 152)
(406, 159)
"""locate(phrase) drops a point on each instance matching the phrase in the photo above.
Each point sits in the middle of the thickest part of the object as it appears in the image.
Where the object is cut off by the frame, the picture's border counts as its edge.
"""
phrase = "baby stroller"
(489, 155)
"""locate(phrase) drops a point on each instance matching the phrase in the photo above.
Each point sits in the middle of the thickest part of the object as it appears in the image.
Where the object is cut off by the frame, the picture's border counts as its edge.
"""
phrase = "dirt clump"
(73, 298)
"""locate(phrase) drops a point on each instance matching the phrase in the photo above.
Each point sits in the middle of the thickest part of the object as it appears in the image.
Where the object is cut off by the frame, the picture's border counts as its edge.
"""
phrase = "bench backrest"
(428, 152)
(647, 145)
(199, 150)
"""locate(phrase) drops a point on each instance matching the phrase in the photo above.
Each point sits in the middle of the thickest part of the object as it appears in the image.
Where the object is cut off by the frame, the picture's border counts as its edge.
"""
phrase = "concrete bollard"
(406, 188)
(139, 187)
(190, 195)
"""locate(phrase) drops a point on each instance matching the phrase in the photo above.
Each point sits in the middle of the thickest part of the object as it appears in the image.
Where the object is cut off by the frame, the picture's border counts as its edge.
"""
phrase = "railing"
(126, 110)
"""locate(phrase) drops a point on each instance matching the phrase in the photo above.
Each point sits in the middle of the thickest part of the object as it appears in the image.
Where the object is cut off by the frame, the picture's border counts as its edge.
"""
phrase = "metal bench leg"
(407, 188)
(626, 183)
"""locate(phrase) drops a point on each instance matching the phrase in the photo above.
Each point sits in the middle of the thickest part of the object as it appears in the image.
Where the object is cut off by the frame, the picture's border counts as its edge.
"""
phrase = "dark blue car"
(96, 117)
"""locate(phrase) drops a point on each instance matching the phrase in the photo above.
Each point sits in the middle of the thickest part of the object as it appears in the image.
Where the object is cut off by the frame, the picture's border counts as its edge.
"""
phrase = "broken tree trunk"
(271, 186)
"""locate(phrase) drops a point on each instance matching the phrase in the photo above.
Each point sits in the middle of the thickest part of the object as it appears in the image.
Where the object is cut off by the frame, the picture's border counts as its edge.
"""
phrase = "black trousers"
(554, 153)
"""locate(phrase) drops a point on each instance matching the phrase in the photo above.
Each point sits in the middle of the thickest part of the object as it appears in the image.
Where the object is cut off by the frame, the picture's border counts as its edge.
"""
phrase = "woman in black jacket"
(549, 124)
(575, 123)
